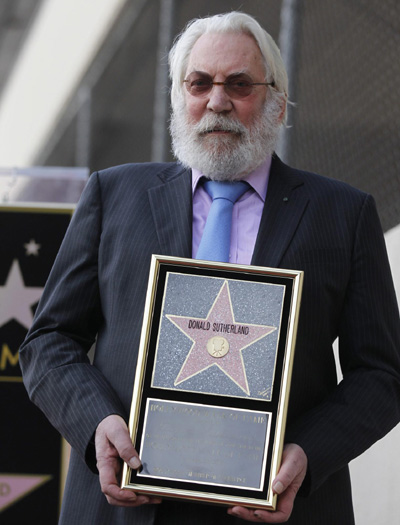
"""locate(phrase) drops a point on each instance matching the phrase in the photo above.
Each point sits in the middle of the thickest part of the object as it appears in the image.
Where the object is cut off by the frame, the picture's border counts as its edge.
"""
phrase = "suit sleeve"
(366, 404)
(59, 378)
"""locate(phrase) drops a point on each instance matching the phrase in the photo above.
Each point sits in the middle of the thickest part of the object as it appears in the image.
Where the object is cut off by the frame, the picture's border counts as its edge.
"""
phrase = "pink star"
(218, 340)
(14, 487)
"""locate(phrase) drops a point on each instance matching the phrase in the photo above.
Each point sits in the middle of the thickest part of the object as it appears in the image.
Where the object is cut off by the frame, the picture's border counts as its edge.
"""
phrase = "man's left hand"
(286, 484)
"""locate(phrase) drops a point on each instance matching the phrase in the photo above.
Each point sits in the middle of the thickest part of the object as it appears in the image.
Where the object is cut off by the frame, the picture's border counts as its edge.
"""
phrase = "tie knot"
(232, 191)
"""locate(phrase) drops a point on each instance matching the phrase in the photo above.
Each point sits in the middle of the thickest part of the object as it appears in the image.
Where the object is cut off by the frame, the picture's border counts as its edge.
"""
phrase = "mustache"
(213, 122)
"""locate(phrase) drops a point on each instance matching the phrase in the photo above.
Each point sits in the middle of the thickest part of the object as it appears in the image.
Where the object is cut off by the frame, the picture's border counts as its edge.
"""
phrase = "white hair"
(224, 158)
(234, 22)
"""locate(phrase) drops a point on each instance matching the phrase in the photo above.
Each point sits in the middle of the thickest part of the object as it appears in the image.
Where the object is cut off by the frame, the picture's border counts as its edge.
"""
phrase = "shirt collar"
(258, 179)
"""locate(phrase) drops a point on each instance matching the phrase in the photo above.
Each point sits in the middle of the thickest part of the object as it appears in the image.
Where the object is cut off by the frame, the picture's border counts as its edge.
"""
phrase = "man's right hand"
(113, 443)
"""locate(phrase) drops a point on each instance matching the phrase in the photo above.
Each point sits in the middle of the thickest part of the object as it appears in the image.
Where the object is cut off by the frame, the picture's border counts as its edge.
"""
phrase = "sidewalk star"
(218, 340)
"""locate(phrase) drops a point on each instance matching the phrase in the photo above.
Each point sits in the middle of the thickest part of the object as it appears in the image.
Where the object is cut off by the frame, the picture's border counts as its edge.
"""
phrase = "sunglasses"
(236, 86)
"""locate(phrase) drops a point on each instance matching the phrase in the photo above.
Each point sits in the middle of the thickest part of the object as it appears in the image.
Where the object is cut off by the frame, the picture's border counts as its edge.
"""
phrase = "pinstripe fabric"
(97, 289)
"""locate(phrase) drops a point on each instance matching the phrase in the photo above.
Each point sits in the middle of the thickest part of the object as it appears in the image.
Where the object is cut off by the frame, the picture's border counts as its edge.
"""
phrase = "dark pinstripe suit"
(98, 286)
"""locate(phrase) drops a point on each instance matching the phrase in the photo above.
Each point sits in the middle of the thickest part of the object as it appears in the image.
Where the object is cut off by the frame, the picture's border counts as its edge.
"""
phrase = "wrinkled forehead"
(225, 54)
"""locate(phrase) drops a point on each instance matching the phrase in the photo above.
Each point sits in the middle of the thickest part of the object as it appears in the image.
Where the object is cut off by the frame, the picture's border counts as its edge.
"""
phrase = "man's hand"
(286, 484)
(113, 442)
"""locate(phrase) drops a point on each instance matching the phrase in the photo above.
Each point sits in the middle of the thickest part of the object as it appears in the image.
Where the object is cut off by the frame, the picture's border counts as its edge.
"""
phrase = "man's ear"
(283, 109)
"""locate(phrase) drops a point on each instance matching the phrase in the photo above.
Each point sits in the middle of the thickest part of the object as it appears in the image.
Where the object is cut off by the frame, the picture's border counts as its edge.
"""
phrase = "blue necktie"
(216, 240)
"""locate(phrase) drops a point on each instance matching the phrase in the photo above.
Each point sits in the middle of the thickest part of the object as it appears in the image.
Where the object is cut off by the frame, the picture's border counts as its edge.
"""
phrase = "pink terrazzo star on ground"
(218, 341)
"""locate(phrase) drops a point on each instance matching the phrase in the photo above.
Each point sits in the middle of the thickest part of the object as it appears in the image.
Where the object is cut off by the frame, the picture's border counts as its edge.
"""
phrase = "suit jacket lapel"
(171, 206)
(284, 207)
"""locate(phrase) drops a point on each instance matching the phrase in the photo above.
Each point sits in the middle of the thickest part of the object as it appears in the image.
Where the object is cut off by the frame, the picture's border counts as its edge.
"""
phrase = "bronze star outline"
(232, 364)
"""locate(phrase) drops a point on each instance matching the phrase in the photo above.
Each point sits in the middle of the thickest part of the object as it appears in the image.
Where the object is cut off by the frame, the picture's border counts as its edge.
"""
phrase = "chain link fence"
(347, 120)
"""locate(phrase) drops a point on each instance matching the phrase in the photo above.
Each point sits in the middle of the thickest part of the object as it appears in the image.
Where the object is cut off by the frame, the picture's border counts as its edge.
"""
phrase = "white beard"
(224, 157)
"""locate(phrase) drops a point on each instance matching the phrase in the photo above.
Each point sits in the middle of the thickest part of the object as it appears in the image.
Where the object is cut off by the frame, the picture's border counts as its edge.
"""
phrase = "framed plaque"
(212, 381)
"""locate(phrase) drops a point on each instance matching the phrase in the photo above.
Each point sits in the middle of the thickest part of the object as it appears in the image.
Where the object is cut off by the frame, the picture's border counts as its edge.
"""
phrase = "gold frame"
(275, 409)
(33, 207)
(50, 209)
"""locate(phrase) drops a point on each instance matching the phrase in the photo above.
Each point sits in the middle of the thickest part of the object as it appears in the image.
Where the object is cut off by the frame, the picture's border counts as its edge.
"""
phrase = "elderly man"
(229, 95)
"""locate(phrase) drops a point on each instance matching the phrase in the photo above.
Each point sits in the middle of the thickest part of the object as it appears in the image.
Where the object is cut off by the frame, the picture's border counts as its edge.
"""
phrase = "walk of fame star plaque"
(212, 382)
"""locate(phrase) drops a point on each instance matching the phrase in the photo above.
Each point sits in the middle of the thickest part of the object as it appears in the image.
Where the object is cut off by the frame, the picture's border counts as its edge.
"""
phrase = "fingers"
(257, 515)
(293, 470)
(286, 484)
(280, 515)
(112, 436)
(113, 442)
